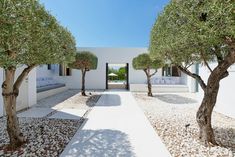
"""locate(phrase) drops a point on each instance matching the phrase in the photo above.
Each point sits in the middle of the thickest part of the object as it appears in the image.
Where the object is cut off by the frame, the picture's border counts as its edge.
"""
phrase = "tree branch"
(153, 73)
(193, 75)
(21, 77)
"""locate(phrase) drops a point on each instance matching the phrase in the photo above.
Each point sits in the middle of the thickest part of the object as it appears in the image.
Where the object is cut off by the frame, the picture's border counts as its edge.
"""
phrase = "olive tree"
(85, 61)
(195, 31)
(29, 36)
(145, 63)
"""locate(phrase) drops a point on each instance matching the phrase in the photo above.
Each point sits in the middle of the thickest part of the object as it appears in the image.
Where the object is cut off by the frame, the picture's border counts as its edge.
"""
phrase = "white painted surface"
(50, 92)
(42, 71)
(116, 126)
(95, 79)
(226, 99)
(159, 88)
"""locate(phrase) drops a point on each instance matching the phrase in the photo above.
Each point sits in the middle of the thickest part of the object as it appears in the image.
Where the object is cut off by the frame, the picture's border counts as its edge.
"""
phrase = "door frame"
(107, 78)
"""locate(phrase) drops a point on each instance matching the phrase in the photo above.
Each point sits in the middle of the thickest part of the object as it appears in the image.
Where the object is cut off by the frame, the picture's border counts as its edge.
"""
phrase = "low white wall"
(226, 99)
(50, 92)
(159, 88)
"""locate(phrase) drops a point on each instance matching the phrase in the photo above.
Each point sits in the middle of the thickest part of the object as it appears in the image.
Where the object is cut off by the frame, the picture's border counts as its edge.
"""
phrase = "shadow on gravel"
(175, 99)
(225, 137)
(99, 143)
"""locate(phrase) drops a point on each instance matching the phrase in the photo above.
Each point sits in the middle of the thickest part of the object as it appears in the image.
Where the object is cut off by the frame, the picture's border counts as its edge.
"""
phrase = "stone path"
(116, 127)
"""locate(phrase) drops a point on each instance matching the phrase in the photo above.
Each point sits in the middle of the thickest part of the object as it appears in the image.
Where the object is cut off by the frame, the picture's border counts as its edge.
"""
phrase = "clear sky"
(107, 23)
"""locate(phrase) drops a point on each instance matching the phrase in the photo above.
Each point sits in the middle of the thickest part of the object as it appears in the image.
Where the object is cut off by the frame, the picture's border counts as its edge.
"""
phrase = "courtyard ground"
(50, 124)
(174, 118)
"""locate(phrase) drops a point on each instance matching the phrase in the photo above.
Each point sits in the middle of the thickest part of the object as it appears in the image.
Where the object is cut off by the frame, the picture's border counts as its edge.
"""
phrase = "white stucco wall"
(226, 99)
(42, 71)
(95, 79)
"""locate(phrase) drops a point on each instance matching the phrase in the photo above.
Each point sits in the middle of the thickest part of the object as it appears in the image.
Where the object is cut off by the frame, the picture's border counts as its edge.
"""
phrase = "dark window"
(49, 66)
(171, 71)
(64, 70)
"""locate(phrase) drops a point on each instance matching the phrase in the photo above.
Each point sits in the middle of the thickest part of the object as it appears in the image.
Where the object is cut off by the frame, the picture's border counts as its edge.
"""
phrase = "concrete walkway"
(116, 127)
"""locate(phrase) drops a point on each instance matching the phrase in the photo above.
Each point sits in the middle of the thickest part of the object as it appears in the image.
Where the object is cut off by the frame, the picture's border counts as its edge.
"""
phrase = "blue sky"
(107, 23)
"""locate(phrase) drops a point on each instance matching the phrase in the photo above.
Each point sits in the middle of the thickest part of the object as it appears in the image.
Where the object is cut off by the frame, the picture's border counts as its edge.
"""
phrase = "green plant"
(190, 32)
(145, 63)
(29, 36)
(85, 61)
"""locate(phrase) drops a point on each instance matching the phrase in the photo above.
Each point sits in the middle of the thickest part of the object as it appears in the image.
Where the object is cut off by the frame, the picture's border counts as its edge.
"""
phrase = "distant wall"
(95, 79)
(226, 99)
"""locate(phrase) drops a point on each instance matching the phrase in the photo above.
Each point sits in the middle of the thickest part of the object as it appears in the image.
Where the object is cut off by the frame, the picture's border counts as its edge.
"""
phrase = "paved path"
(116, 127)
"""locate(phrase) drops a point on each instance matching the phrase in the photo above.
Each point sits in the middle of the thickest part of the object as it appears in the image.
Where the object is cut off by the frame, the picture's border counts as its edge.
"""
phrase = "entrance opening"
(117, 76)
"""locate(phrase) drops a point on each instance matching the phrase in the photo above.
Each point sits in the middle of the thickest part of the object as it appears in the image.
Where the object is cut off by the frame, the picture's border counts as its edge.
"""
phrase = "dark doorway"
(117, 76)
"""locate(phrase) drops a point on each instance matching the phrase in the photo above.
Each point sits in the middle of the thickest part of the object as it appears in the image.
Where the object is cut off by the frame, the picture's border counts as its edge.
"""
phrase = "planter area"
(174, 119)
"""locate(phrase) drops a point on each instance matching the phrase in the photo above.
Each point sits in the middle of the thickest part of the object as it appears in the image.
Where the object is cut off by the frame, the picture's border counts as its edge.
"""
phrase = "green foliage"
(190, 31)
(121, 73)
(143, 61)
(31, 36)
(85, 60)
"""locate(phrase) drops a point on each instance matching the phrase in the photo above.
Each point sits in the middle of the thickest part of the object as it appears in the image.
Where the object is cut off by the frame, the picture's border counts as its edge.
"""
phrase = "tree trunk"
(149, 86)
(9, 98)
(148, 75)
(204, 114)
(83, 83)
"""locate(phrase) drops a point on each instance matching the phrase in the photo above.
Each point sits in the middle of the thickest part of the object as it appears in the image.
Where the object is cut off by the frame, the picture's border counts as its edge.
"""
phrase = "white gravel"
(170, 113)
(45, 136)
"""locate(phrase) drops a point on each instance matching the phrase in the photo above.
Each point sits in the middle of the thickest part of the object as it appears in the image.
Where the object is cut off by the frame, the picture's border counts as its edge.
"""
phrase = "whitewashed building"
(47, 80)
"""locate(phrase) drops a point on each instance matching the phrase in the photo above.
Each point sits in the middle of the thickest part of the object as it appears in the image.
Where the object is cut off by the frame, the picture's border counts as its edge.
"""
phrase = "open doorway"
(117, 76)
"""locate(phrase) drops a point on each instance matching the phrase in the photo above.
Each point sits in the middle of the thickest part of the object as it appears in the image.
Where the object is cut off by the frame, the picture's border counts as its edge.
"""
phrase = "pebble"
(170, 120)
(55, 134)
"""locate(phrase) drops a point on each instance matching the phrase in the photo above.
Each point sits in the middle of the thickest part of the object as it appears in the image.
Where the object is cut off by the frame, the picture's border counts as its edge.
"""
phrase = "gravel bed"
(48, 137)
(176, 125)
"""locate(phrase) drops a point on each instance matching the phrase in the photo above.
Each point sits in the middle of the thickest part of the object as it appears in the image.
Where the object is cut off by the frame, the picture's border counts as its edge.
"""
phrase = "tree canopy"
(194, 31)
(31, 36)
(143, 61)
(197, 31)
(85, 60)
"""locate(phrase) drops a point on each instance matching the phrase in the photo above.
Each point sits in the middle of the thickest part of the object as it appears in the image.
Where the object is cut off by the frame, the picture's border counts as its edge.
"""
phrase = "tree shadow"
(92, 100)
(54, 100)
(109, 100)
(225, 137)
(174, 99)
(100, 143)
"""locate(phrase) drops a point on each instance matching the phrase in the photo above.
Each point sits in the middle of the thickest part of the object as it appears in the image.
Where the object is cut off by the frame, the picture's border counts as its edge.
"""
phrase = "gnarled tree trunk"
(149, 86)
(9, 98)
(148, 75)
(10, 91)
(204, 114)
(83, 82)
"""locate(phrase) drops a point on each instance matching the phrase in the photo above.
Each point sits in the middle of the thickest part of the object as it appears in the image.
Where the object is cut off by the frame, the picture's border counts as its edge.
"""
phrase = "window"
(49, 66)
(171, 71)
(64, 70)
